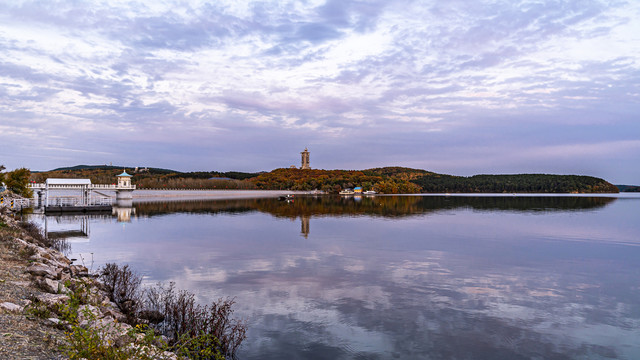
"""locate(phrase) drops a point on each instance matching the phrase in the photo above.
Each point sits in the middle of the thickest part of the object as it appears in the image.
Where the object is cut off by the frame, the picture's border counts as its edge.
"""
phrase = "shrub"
(95, 343)
(33, 230)
(195, 331)
(27, 252)
(123, 287)
(191, 326)
(37, 309)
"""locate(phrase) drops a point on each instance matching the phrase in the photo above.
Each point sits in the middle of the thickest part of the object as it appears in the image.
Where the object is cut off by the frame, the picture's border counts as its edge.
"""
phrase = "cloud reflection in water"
(410, 278)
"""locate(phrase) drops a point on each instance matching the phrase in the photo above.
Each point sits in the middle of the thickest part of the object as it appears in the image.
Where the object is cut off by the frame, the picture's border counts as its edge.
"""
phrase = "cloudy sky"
(459, 86)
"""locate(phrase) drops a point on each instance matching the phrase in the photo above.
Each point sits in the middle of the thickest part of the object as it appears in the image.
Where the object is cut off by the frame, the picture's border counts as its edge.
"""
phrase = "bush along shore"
(53, 309)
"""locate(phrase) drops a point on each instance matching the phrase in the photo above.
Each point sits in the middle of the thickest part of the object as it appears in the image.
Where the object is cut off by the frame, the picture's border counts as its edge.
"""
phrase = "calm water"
(396, 277)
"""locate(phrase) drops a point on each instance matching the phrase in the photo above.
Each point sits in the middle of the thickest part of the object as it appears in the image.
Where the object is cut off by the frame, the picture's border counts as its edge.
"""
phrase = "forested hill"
(628, 188)
(521, 183)
(399, 180)
(387, 180)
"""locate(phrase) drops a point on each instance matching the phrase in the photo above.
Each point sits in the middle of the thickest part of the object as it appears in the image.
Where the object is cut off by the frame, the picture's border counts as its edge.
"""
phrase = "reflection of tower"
(123, 213)
(304, 228)
(304, 225)
(305, 159)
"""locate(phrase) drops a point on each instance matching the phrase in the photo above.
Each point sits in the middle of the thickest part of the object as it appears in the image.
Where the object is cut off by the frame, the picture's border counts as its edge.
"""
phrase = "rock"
(56, 257)
(54, 321)
(52, 299)
(39, 269)
(62, 259)
(169, 356)
(113, 313)
(65, 276)
(109, 329)
(87, 314)
(48, 285)
(11, 307)
(79, 271)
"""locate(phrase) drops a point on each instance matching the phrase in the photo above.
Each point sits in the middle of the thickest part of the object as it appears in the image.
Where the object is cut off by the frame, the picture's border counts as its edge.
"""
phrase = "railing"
(102, 201)
(42, 186)
(16, 203)
(73, 201)
(56, 201)
(64, 201)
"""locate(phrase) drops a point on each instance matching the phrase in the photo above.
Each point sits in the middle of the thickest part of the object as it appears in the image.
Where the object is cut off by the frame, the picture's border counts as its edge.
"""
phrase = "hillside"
(387, 180)
(628, 188)
(520, 183)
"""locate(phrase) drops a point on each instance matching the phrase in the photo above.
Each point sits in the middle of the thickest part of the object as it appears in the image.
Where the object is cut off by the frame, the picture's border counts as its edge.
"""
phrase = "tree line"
(387, 180)
(333, 181)
(521, 183)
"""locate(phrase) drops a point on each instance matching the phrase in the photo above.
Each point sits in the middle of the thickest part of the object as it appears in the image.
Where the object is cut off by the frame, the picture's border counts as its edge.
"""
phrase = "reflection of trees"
(386, 206)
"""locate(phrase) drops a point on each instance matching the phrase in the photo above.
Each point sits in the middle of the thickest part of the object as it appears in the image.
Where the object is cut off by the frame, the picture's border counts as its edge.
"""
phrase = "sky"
(459, 87)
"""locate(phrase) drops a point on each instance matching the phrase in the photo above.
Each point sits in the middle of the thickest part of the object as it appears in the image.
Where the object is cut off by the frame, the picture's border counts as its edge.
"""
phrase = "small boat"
(369, 192)
(347, 192)
(287, 197)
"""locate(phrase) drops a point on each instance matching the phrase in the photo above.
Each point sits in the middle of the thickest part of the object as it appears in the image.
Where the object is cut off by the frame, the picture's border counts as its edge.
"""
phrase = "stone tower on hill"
(305, 159)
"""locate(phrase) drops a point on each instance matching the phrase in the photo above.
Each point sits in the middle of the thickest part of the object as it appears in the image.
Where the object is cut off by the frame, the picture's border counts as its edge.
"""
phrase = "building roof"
(124, 173)
(55, 181)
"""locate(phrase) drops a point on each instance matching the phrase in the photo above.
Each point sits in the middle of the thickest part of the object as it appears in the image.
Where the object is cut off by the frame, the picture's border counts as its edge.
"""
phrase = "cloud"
(404, 71)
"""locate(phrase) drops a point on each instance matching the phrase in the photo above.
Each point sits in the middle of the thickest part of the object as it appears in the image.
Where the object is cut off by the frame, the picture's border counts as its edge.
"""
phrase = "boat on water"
(347, 192)
(288, 197)
(369, 192)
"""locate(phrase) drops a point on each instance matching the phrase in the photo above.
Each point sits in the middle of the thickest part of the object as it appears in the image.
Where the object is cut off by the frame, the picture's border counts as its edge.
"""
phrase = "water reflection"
(387, 206)
(306, 207)
(401, 277)
(80, 230)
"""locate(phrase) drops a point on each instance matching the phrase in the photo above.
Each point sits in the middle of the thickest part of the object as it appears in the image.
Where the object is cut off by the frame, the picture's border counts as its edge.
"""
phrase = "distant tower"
(305, 159)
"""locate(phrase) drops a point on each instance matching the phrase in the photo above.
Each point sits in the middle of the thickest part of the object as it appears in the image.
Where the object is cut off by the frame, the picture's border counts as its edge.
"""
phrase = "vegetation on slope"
(393, 181)
(628, 188)
(521, 183)
(387, 180)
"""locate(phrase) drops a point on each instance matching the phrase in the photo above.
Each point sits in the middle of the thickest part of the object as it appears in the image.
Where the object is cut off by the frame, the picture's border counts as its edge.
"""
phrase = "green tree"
(18, 182)
(1, 174)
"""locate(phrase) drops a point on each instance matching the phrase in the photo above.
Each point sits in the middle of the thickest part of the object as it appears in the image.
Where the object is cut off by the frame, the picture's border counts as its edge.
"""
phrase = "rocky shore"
(49, 306)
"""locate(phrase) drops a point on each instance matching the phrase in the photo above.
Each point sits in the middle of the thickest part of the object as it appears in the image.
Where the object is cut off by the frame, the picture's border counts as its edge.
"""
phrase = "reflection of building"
(123, 209)
(123, 213)
(304, 227)
(305, 159)
(82, 232)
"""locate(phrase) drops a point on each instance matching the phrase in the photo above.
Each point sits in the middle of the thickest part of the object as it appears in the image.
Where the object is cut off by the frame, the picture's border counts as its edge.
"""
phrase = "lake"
(394, 277)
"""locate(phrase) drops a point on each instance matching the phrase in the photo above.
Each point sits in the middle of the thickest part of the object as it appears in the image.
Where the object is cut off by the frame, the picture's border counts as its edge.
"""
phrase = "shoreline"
(50, 307)
(178, 194)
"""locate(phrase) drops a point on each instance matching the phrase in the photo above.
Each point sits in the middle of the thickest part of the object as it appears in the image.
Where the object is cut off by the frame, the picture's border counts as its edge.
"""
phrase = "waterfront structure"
(81, 194)
(125, 189)
(305, 159)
